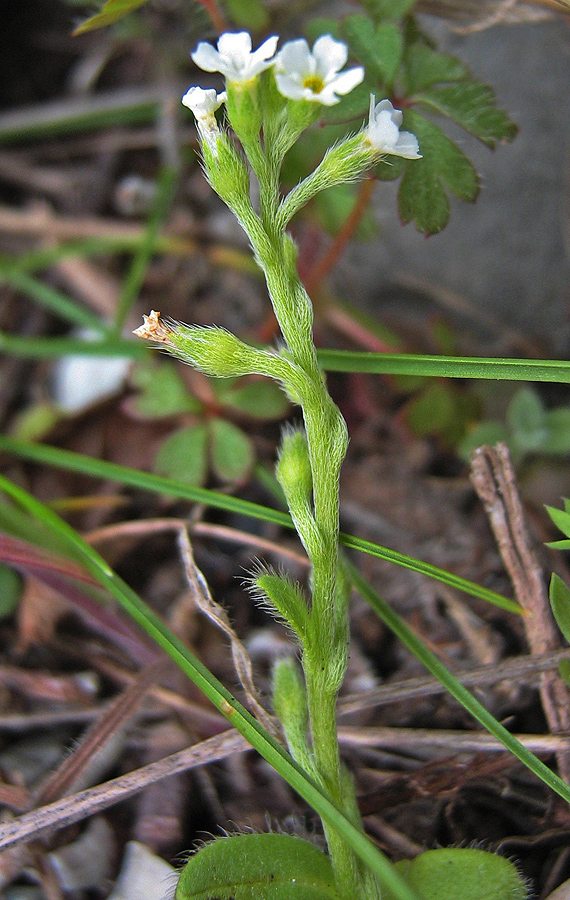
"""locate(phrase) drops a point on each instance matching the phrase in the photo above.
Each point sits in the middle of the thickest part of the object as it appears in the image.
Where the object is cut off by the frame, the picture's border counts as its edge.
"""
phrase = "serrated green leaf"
(232, 452)
(183, 456)
(463, 872)
(560, 603)
(378, 48)
(525, 420)
(557, 424)
(10, 590)
(257, 867)
(561, 519)
(250, 14)
(424, 67)
(388, 9)
(262, 400)
(473, 106)
(162, 392)
(112, 11)
(422, 197)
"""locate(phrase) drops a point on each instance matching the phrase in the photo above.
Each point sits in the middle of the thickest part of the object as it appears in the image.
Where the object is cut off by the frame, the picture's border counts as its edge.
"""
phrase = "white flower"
(234, 58)
(316, 76)
(204, 104)
(383, 131)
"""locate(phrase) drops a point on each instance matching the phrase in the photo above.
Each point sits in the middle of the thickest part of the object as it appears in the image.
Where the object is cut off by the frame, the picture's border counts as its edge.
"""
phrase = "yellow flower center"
(314, 82)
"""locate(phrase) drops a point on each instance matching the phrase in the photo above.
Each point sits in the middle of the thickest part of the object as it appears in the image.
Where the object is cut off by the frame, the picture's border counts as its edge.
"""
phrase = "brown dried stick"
(494, 479)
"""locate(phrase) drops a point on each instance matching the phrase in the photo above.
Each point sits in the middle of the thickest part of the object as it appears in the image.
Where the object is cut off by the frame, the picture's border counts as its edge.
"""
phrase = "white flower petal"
(264, 53)
(345, 82)
(202, 102)
(290, 87)
(235, 45)
(295, 58)
(330, 55)
(206, 57)
(383, 131)
(407, 146)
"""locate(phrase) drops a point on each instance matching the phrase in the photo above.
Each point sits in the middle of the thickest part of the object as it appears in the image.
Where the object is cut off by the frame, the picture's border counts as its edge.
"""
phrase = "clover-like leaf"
(257, 867)
(162, 392)
(111, 12)
(377, 47)
(262, 399)
(388, 9)
(231, 451)
(422, 197)
(557, 425)
(526, 420)
(473, 106)
(183, 456)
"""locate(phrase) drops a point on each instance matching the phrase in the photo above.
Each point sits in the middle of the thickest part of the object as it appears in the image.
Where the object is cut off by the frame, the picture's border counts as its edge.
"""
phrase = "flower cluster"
(301, 76)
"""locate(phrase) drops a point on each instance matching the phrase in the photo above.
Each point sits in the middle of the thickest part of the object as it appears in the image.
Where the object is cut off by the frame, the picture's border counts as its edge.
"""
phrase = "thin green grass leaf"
(98, 468)
(500, 369)
(455, 688)
(63, 306)
(215, 691)
(53, 348)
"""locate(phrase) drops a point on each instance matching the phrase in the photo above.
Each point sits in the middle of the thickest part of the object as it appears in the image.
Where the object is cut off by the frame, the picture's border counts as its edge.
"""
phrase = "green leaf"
(184, 456)
(463, 872)
(561, 519)
(564, 671)
(353, 106)
(422, 197)
(162, 391)
(526, 420)
(263, 400)
(257, 867)
(489, 433)
(378, 48)
(432, 410)
(557, 423)
(10, 590)
(248, 14)
(424, 67)
(112, 11)
(321, 25)
(231, 451)
(473, 106)
(560, 604)
(388, 9)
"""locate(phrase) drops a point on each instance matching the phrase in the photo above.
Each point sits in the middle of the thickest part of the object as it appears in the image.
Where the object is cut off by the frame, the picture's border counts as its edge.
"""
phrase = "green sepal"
(244, 113)
(218, 352)
(290, 704)
(463, 872)
(257, 867)
(284, 596)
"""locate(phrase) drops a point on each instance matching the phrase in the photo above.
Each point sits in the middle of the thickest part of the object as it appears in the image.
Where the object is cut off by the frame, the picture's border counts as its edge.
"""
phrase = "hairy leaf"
(257, 867)
(463, 872)
(473, 106)
(184, 456)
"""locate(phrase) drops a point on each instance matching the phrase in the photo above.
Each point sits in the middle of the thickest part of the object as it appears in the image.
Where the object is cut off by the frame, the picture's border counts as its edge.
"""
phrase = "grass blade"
(76, 462)
(445, 366)
(455, 688)
(215, 691)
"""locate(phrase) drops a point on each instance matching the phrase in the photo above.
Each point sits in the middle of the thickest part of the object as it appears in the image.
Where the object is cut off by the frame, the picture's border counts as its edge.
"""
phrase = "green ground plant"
(270, 102)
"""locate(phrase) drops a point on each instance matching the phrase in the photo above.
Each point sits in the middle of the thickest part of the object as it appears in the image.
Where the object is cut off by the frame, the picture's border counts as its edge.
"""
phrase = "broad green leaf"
(162, 391)
(560, 604)
(378, 48)
(388, 9)
(248, 14)
(10, 589)
(432, 410)
(184, 456)
(473, 106)
(257, 867)
(463, 872)
(422, 197)
(525, 420)
(424, 67)
(262, 400)
(557, 423)
(112, 11)
(232, 452)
